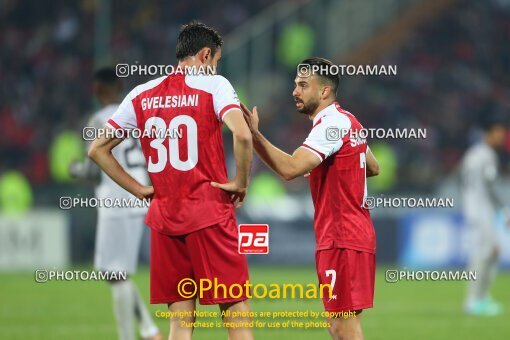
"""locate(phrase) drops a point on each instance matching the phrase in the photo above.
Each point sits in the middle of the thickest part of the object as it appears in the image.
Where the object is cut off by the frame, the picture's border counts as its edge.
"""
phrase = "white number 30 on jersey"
(173, 144)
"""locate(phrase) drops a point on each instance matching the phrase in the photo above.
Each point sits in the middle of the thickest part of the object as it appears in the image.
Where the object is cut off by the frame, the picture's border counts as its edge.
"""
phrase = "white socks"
(147, 327)
(486, 267)
(127, 304)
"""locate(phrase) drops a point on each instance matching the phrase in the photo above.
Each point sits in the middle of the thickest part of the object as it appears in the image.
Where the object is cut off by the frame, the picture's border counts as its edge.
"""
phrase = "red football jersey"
(185, 154)
(338, 184)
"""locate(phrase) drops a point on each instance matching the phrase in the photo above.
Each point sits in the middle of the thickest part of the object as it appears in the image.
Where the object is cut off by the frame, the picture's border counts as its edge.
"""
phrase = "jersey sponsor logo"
(253, 239)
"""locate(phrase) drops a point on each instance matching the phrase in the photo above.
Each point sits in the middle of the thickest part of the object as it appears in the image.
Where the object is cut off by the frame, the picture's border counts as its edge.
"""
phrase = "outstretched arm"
(372, 164)
(286, 166)
(86, 169)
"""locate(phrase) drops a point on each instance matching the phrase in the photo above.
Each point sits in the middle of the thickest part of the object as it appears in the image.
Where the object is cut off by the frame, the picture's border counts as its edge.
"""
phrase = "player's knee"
(496, 252)
(346, 328)
(337, 331)
(116, 280)
(238, 306)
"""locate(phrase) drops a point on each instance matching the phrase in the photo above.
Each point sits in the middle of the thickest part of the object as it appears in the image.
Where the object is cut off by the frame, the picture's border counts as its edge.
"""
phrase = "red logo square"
(253, 239)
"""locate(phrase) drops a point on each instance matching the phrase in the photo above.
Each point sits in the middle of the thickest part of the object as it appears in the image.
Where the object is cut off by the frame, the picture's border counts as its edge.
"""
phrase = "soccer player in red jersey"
(191, 215)
(338, 163)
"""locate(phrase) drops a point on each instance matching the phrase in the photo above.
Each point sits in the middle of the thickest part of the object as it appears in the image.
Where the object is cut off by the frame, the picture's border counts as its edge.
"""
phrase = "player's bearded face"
(306, 96)
(307, 107)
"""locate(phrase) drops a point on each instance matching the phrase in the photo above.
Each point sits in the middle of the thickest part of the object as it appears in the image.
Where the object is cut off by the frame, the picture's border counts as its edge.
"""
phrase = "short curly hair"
(195, 36)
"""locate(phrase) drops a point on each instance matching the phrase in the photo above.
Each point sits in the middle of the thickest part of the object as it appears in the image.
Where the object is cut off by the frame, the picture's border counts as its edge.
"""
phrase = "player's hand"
(145, 192)
(235, 192)
(251, 117)
(506, 217)
(73, 168)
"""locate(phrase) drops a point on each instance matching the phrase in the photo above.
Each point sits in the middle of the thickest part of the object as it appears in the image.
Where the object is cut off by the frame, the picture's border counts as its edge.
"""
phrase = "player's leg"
(241, 310)
(484, 261)
(134, 227)
(351, 275)
(215, 256)
(183, 316)
(126, 303)
(148, 329)
(346, 328)
(123, 307)
(492, 257)
(111, 256)
(169, 264)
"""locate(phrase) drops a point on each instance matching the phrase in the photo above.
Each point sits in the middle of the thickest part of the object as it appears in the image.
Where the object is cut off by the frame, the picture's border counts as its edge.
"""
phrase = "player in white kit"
(479, 174)
(119, 229)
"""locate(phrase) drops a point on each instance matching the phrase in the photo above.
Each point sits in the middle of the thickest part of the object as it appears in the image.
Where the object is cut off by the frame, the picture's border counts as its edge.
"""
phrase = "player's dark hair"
(323, 71)
(195, 36)
(490, 121)
(108, 77)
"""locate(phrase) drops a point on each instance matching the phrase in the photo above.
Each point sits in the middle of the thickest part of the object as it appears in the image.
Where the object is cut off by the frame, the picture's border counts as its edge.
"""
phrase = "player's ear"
(204, 54)
(325, 91)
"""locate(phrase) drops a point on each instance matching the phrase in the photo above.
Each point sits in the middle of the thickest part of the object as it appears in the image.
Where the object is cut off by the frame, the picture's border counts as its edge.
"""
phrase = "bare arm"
(100, 152)
(243, 154)
(372, 164)
(286, 166)
(86, 169)
(491, 184)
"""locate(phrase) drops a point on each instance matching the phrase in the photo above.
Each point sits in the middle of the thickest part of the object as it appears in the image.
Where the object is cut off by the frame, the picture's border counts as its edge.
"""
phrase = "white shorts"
(118, 243)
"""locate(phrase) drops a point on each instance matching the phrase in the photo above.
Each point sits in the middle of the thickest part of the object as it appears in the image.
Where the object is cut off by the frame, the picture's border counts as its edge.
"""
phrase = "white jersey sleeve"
(326, 136)
(125, 116)
(224, 97)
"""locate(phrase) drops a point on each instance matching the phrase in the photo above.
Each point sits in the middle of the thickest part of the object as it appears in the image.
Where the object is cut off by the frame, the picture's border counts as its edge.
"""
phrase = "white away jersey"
(479, 172)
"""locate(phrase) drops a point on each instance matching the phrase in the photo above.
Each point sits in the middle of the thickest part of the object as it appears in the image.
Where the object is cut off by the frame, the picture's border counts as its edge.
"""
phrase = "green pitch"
(403, 310)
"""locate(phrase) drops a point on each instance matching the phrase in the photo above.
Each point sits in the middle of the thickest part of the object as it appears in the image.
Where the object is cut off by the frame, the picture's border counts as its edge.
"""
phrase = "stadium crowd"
(452, 73)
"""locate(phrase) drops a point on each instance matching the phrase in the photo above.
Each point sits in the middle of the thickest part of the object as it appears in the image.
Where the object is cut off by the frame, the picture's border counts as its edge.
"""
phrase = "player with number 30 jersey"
(187, 112)
(193, 226)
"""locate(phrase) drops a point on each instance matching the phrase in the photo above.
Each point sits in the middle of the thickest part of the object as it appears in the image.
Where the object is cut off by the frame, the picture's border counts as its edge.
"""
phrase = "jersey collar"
(323, 112)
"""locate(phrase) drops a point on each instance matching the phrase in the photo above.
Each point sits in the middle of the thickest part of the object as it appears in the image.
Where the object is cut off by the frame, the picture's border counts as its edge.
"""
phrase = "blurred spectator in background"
(451, 71)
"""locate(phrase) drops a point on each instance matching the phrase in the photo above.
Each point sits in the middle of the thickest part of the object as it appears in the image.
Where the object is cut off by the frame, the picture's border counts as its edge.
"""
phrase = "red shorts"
(351, 273)
(210, 253)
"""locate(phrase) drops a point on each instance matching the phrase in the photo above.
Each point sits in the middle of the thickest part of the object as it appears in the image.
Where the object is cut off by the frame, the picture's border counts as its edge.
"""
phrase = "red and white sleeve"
(125, 116)
(224, 97)
(326, 137)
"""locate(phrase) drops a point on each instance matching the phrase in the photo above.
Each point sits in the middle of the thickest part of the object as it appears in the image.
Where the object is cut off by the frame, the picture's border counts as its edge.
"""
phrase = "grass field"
(403, 310)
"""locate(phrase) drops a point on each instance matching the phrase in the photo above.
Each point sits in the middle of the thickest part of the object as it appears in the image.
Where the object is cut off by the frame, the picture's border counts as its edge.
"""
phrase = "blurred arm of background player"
(491, 183)
(301, 162)
(372, 164)
(86, 169)
(243, 154)
(100, 152)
